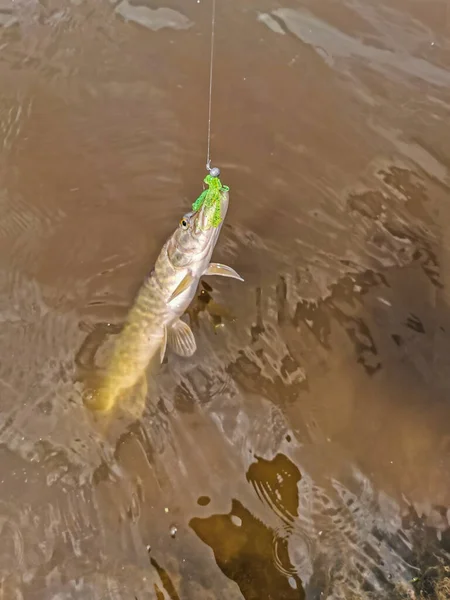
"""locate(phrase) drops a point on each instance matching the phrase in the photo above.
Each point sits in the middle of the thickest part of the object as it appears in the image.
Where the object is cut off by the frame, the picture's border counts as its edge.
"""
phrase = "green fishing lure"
(211, 197)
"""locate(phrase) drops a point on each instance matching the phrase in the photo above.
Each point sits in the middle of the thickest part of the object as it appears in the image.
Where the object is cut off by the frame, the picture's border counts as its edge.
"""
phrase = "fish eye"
(184, 223)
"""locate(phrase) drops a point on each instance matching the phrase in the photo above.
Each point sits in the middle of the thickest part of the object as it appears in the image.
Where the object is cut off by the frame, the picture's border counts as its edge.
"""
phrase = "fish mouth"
(211, 217)
(198, 241)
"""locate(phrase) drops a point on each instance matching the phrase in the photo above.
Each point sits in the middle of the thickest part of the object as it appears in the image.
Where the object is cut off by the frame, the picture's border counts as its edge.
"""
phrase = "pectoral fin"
(224, 270)
(163, 345)
(181, 339)
(183, 286)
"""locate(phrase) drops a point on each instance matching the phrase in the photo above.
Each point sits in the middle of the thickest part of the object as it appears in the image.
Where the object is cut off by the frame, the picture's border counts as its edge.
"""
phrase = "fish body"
(153, 322)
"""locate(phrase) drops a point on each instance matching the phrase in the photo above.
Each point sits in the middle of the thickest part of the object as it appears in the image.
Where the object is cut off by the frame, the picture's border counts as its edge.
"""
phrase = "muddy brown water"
(304, 451)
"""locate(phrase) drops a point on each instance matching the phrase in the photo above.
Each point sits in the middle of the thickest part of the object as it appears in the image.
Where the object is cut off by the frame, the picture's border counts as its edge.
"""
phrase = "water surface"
(303, 452)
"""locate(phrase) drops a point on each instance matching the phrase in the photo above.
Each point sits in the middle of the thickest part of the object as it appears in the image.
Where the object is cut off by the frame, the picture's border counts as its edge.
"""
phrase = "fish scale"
(153, 322)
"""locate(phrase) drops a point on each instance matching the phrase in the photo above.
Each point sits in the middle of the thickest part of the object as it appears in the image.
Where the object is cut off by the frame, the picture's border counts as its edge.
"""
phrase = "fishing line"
(214, 171)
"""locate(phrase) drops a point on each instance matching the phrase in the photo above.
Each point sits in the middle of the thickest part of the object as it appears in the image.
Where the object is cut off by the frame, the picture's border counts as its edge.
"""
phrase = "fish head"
(197, 234)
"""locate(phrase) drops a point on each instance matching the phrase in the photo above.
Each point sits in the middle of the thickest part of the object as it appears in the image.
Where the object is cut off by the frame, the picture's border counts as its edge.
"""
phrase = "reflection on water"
(302, 452)
(245, 549)
(245, 552)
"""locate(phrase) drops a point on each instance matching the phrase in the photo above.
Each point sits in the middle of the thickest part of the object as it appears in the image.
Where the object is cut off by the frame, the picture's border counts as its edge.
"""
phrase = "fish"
(154, 322)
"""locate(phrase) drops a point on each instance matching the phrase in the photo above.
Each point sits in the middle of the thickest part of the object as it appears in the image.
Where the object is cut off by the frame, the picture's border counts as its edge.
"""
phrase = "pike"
(154, 322)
